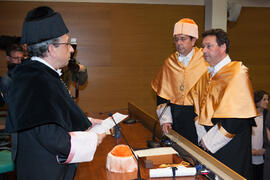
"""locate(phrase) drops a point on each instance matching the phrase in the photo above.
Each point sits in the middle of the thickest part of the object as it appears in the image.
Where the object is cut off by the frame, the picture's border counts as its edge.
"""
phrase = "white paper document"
(167, 172)
(155, 151)
(108, 123)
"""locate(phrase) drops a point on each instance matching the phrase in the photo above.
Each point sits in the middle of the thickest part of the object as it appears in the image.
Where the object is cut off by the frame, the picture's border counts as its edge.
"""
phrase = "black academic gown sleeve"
(234, 125)
(161, 100)
(38, 149)
(237, 153)
(183, 120)
(54, 138)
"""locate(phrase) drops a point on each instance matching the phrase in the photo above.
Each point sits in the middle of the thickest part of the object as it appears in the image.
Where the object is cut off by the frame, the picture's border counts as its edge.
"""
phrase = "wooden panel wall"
(250, 43)
(124, 45)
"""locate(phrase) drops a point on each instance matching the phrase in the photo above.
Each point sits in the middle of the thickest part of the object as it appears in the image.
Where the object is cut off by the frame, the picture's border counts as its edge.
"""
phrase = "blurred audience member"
(261, 99)
(266, 174)
(75, 72)
(14, 56)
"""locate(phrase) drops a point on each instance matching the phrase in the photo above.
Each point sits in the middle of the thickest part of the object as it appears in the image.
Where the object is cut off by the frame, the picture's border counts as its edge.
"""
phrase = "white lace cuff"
(215, 139)
(83, 146)
(200, 130)
(166, 116)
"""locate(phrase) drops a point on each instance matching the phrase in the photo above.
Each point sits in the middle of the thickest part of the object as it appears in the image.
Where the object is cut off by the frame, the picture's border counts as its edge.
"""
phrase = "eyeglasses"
(16, 58)
(176, 39)
(67, 43)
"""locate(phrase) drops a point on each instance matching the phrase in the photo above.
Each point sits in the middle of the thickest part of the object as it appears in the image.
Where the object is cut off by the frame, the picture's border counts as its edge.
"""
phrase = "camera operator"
(74, 71)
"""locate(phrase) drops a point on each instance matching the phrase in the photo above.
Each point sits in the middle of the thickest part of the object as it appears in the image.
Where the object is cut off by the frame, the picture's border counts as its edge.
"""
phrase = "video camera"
(73, 65)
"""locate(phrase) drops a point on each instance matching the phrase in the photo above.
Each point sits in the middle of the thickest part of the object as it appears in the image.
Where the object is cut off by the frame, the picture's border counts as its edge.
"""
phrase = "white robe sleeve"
(199, 129)
(215, 139)
(83, 146)
(167, 115)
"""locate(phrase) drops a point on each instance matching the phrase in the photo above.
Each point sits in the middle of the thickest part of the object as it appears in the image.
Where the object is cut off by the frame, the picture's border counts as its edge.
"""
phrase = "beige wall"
(124, 45)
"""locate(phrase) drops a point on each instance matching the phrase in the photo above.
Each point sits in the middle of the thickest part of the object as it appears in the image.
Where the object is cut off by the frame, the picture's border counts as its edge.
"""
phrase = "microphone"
(153, 143)
(116, 126)
(73, 43)
(129, 121)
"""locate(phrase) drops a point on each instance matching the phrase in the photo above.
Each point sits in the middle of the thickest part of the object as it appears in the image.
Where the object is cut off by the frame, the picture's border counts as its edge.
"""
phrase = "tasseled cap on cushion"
(121, 160)
(42, 24)
(186, 26)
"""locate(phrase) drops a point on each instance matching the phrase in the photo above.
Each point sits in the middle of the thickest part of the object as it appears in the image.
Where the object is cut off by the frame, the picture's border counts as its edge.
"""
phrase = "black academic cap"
(42, 24)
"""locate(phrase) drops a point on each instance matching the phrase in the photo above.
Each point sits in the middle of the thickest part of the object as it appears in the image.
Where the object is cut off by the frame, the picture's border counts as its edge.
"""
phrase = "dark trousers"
(257, 172)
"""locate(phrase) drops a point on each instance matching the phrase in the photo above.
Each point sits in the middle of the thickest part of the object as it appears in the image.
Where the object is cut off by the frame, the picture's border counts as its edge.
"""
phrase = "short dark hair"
(221, 37)
(14, 47)
(41, 49)
(258, 95)
(191, 37)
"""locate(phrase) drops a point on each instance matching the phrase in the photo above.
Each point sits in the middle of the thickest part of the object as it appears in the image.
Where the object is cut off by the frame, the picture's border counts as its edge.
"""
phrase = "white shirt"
(214, 69)
(257, 139)
(185, 59)
(35, 58)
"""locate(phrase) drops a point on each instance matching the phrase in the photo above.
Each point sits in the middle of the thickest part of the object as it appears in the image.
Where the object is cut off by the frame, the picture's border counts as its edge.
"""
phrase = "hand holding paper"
(95, 121)
(108, 123)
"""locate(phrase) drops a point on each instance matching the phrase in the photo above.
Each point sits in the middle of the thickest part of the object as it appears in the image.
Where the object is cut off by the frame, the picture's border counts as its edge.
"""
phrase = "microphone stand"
(153, 143)
(139, 171)
(77, 87)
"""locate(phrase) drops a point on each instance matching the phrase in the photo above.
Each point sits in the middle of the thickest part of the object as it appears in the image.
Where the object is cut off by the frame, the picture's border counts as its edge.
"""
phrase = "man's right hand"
(166, 127)
(202, 144)
(258, 152)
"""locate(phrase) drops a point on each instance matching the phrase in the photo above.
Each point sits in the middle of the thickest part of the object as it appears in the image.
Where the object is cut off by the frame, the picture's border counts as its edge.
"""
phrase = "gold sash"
(228, 94)
(174, 80)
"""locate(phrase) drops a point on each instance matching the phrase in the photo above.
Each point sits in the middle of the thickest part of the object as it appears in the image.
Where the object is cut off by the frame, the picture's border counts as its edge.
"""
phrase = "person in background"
(223, 100)
(50, 133)
(14, 56)
(74, 71)
(266, 172)
(261, 99)
(179, 73)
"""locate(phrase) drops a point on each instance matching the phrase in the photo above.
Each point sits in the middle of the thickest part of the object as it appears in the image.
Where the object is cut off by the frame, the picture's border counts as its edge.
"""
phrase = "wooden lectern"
(137, 135)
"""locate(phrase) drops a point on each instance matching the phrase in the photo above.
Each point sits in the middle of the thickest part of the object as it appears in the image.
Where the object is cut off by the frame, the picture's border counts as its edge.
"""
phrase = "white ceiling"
(244, 3)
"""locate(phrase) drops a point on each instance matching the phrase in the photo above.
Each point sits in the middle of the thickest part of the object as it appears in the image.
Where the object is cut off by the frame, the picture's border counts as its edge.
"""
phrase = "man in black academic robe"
(49, 131)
